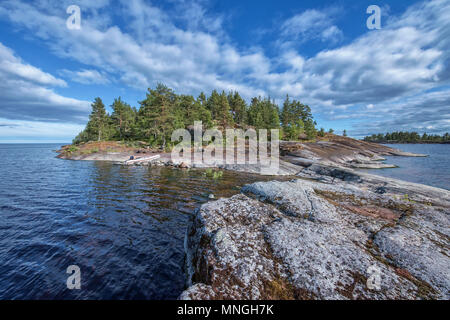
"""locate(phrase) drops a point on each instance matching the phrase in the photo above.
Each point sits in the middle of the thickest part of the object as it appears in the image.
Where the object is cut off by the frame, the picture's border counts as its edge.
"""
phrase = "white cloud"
(409, 56)
(26, 93)
(378, 66)
(86, 76)
(155, 50)
(332, 34)
(25, 131)
(312, 24)
(12, 67)
(424, 112)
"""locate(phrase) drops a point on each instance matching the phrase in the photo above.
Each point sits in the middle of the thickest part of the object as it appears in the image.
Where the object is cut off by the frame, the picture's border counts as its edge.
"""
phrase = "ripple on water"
(123, 226)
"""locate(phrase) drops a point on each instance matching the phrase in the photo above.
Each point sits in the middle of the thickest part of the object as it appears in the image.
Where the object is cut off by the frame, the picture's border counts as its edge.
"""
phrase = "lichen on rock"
(304, 239)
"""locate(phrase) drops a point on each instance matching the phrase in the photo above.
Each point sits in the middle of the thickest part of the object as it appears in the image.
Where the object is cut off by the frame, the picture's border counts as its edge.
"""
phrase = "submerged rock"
(304, 239)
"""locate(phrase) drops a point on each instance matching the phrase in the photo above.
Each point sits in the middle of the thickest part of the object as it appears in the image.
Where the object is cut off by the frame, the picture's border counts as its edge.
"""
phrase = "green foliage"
(263, 114)
(81, 137)
(90, 151)
(321, 132)
(123, 120)
(407, 137)
(296, 119)
(310, 128)
(163, 111)
(99, 125)
(238, 108)
(344, 133)
(98, 121)
(190, 110)
(214, 174)
(157, 117)
(219, 107)
(72, 149)
(406, 198)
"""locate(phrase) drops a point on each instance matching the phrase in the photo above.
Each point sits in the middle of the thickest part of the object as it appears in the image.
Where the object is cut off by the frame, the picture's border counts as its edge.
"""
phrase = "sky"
(319, 52)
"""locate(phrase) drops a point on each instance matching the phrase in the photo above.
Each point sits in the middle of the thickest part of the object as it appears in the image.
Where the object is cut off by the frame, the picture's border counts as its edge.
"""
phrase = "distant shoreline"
(405, 137)
(420, 142)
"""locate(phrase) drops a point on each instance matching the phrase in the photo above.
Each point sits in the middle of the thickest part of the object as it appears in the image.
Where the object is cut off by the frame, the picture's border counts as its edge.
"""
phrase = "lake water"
(433, 170)
(123, 226)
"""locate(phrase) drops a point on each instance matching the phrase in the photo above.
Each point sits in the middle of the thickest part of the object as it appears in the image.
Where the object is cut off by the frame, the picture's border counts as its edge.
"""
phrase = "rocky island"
(331, 232)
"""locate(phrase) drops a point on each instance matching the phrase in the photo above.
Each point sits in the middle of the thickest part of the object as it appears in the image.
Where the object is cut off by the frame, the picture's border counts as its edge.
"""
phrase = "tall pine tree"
(296, 119)
(97, 126)
(238, 108)
(123, 119)
(157, 118)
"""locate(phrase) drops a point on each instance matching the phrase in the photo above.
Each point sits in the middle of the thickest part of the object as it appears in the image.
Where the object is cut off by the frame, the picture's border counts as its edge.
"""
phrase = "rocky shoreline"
(337, 235)
(333, 151)
(332, 232)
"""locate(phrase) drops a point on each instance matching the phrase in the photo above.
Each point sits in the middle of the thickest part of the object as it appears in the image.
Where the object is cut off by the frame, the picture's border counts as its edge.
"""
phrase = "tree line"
(408, 137)
(163, 111)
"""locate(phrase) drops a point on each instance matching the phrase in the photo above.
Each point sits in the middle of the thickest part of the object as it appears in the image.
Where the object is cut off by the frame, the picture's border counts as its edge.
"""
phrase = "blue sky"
(320, 52)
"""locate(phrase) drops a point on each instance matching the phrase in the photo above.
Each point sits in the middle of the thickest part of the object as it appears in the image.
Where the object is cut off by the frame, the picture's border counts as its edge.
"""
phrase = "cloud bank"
(402, 70)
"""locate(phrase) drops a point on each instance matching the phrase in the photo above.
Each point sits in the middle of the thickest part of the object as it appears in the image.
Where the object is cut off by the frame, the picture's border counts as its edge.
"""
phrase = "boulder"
(303, 239)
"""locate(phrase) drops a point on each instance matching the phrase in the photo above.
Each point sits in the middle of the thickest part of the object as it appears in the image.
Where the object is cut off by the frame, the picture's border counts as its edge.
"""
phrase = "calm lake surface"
(123, 226)
(433, 170)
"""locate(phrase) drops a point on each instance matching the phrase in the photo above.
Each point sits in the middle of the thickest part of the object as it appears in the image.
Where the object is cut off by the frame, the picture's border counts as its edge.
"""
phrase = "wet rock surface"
(337, 235)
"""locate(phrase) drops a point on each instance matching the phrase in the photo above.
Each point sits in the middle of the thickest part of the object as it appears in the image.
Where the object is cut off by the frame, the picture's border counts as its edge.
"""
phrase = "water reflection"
(123, 226)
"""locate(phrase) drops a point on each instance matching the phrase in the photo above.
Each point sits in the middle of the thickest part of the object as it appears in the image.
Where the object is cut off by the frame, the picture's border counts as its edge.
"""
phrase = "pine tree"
(163, 111)
(238, 108)
(123, 118)
(296, 119)
(98, 121)
(263, 114)
(286, 113)
(212, 104)
(202, 99)
(157, 118)
(192, 110)
(223, 114)
(321, 132)
(310, 129)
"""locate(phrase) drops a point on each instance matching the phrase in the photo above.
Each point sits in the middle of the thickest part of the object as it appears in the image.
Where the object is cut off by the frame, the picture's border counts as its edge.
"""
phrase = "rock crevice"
(304, 239)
